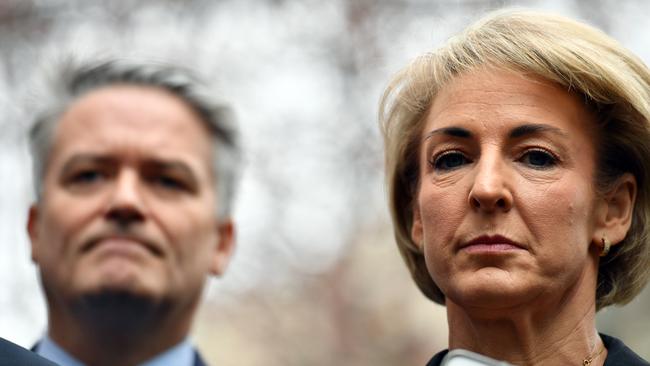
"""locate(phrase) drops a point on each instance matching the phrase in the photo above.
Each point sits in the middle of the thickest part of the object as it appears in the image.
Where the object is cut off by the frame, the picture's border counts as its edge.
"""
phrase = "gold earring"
(606, 245)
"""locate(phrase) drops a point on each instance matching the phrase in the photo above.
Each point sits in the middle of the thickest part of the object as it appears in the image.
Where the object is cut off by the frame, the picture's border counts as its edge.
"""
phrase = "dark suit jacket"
(12, 354)
(198, 361)
(617, 354)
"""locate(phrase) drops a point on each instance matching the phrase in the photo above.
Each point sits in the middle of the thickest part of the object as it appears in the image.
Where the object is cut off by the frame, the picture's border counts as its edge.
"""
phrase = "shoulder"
(619, 354)
(437, 359)
(12, 354)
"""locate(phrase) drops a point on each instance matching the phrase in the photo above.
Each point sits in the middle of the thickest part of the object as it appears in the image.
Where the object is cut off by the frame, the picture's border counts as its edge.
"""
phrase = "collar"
(181, 354)
(49, 349)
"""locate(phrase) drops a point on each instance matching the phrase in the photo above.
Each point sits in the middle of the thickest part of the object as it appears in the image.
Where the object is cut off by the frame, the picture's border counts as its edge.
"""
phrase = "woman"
(518, 161)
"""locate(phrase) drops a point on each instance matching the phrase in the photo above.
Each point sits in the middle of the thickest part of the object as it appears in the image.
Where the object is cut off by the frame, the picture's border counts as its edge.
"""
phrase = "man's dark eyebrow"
(95, 159)
(171, 166)
(450, 131)
(530, 129)
(178, 168)
(92, 159)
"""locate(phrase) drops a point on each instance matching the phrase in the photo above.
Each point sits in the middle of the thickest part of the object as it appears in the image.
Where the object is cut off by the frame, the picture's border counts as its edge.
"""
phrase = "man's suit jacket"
(12, 354)
(198, 361)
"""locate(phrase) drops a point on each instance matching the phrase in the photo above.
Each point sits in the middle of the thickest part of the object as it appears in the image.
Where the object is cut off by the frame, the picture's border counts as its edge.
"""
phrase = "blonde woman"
(518, 162)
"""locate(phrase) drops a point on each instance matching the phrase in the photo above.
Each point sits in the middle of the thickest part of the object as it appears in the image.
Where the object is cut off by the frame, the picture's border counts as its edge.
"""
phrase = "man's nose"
(491, 187)
(126, 204)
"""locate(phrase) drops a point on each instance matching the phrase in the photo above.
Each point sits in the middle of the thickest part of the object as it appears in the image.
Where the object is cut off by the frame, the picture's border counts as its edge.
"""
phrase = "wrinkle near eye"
(446, 180)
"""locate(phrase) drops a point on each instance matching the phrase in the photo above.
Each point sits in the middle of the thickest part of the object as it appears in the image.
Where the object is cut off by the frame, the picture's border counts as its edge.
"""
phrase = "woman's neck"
(555, 330)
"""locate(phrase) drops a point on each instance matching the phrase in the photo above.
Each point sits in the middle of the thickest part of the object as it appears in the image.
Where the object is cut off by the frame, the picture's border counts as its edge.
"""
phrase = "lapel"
(12, 354)
(198, 361)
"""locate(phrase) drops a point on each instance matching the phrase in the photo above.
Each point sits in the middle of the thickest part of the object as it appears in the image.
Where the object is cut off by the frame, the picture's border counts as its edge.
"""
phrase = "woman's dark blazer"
(618, 354)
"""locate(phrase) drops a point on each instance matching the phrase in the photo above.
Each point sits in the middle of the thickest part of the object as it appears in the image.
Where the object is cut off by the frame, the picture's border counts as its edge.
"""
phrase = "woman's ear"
(416, 228)
(615, 211)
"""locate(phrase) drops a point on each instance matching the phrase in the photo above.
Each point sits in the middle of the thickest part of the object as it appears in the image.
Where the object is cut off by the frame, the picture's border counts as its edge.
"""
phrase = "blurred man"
(135, 169)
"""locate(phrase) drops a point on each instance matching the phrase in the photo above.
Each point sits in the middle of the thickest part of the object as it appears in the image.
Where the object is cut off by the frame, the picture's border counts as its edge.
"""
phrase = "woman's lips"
(491, 244)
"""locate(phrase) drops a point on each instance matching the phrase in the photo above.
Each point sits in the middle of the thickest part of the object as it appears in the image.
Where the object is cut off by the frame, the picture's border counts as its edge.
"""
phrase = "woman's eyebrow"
(533, 128)
(519, 131)
(450, 131)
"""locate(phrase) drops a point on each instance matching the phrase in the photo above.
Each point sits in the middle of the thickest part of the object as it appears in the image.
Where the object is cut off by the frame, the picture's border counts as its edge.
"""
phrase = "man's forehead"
(121, 99)
(147, 122)
(124, 107)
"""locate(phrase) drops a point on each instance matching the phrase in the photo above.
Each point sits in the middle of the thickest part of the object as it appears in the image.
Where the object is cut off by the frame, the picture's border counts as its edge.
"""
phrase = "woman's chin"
(491, 289)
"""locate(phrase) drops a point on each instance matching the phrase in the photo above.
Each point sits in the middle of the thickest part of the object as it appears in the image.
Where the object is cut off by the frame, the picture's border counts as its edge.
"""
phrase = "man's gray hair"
(74, 79)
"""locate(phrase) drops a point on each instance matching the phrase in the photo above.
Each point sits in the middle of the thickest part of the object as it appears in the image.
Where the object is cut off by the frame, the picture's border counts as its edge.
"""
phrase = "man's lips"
(122, 243)
(491, 243)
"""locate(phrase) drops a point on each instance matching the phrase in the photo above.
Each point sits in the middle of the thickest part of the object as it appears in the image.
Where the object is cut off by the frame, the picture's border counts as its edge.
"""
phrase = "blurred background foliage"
(317, 279)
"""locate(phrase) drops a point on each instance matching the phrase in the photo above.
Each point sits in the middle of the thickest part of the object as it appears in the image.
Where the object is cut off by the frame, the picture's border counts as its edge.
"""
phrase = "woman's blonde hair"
(614, 84)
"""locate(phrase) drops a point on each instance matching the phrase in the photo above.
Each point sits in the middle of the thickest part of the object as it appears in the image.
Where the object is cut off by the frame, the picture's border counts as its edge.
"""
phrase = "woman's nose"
(491, 187)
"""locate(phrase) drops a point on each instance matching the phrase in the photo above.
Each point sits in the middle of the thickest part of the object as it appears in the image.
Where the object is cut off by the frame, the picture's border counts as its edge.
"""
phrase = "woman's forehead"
(486, 99)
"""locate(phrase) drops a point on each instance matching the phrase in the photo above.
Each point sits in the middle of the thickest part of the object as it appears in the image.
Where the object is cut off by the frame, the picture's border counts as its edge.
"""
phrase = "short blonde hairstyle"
(614, 84)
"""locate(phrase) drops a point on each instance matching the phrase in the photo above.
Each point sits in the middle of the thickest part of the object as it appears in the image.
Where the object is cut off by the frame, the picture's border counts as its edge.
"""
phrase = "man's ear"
(225, 247)
(417, 233)
(32, 230)
(614, 216)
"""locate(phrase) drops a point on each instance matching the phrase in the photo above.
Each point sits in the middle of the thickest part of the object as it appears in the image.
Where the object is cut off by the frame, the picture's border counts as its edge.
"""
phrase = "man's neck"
(127, 344)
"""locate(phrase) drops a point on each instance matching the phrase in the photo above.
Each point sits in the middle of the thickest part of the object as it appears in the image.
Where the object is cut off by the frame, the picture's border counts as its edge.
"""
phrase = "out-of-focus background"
(317, 279)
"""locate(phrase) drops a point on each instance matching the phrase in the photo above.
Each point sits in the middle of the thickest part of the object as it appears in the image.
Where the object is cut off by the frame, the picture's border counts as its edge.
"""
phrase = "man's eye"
(87, 177)
(449, 161)
(170, 183)
(538, 159)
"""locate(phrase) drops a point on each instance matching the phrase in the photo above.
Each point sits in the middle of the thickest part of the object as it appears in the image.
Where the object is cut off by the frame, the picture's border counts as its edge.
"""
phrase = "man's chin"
(116, 278)
(112, 308)
(116, 273)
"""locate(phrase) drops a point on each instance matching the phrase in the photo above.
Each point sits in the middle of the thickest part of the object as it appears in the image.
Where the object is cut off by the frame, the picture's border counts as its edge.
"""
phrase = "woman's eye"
(449, 161)
(538, 159)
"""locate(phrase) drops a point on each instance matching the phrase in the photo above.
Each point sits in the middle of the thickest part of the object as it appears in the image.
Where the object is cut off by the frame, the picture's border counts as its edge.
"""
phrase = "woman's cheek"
(441, 216)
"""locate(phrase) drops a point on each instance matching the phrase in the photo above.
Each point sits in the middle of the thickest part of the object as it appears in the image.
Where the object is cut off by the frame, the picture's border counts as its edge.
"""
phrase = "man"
(135, 169)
